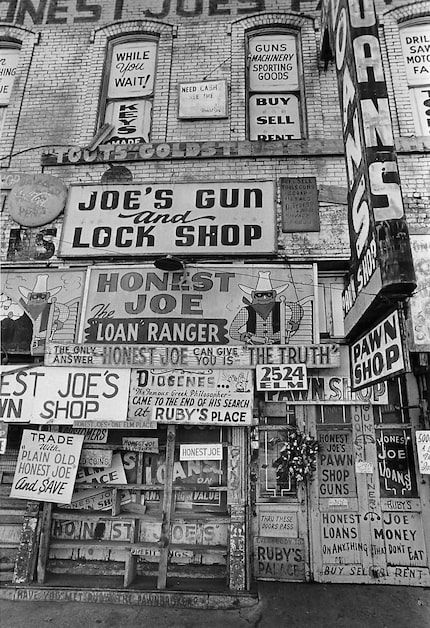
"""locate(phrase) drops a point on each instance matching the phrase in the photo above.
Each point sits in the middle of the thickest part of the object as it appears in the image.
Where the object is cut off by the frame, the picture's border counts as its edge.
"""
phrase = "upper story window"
(273, 85)
(9, 55)
(415, 47)
(129, 90)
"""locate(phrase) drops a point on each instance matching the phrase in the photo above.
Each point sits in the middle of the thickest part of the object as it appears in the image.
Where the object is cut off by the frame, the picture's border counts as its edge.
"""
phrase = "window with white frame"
(129, 89)
(415, 47)
(9, 55)
(273, 84)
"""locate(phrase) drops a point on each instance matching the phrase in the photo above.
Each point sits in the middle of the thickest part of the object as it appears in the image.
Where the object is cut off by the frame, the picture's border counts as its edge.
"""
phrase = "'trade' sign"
(378, 354)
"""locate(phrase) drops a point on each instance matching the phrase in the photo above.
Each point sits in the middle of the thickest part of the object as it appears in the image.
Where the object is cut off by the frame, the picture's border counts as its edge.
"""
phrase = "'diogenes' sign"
(381, 259)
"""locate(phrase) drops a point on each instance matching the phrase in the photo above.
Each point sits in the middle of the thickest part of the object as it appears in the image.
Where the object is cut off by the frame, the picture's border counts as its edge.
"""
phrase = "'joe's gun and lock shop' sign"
(187, 218)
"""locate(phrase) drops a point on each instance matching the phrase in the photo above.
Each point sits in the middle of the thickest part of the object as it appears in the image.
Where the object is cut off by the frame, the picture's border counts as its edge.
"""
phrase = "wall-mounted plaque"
(299, 202)
(205, 99)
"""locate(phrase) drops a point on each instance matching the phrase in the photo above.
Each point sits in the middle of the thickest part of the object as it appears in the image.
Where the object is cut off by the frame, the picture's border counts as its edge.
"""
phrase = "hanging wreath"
(297, 456)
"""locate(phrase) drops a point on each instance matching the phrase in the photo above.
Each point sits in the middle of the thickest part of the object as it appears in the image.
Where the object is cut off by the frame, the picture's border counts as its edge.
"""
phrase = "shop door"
(168, 524)
(367, 511)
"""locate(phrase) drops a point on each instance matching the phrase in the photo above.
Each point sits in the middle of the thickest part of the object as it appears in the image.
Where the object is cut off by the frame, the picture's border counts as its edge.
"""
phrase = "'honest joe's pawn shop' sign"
(181, 218)
(379, 354)
(46, 467)
(60, 396)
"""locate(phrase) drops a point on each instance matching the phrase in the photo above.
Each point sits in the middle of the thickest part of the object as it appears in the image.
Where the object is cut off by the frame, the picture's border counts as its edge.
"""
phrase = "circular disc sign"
(36, 199)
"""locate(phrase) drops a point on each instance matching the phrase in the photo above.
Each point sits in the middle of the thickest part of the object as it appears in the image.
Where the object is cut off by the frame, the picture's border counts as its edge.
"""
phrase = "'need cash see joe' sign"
(181, 218)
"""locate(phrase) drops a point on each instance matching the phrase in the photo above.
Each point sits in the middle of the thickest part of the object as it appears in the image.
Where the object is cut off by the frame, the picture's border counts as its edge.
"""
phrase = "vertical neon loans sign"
(381, 259)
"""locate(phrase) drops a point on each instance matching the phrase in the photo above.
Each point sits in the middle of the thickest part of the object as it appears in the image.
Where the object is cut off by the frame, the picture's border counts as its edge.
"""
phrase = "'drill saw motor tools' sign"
(181, 218)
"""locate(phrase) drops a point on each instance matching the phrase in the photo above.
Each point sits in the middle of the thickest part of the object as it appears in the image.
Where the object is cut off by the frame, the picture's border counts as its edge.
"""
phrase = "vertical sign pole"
(164, 541)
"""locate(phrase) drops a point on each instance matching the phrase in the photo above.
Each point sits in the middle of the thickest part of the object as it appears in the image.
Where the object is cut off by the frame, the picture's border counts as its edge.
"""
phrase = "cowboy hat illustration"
(264, 284)
(40, 287)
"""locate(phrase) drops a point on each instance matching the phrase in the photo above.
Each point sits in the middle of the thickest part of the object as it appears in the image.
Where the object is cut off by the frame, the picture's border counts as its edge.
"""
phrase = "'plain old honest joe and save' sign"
(181, 218)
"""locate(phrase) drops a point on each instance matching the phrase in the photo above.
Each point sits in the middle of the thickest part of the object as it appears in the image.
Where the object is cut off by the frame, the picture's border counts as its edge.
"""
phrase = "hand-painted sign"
(3, 436)
(416, 45)
(379, 354)
(380, 249)
(96, 458)
(96, 499)
(206, 99)
(423, 450)
(114, 474)
(281, 559)
(274, 117)
(30, 313)
(39, 307)
(299, 201)
(281, 377)
(133, 69)
(90, 435)
(145, 445)
(195, 356)
(204, 473)
(78, 13)
(181, 218)
(8, 65)
(336, 477)
(396, 463)
(131, 121)
(200, 451)
(273, 63)
(36, 199)
(192, 397)
(220, 306)
(46, 467)
(274, 523)
(60, 396)
(420, 302)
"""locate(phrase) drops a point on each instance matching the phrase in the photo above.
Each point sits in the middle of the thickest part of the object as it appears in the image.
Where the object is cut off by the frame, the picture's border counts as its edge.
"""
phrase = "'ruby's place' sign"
(212, 397)
(181, 218)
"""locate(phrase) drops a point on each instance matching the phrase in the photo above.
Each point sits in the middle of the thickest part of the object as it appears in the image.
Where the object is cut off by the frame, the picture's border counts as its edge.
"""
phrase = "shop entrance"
(163, 521)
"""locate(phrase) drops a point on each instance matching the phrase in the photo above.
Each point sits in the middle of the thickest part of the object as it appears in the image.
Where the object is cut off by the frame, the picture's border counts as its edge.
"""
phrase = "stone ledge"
(129, 597)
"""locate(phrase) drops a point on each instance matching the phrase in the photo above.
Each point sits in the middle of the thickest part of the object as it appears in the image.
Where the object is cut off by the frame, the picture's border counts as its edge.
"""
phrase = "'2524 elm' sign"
(148, 219)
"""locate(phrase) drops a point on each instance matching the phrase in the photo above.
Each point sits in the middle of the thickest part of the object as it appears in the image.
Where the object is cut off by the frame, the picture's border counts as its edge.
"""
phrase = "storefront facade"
(179, 298)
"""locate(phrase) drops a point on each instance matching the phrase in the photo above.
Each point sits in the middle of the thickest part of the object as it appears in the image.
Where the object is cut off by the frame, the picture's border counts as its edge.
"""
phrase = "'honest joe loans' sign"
(381, 259)
(148, 218)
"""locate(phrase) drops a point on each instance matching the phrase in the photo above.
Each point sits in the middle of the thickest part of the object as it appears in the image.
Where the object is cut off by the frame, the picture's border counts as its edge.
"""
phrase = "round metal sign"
(36, 199)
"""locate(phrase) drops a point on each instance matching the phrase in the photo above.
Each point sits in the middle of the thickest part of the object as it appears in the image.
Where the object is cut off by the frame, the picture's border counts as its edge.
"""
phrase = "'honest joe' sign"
(182, 218)
(378, 354)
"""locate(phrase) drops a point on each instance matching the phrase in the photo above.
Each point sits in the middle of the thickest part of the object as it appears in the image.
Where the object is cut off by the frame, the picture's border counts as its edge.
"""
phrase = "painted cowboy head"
(263, 295)
(38, 296)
